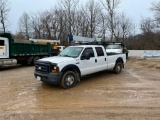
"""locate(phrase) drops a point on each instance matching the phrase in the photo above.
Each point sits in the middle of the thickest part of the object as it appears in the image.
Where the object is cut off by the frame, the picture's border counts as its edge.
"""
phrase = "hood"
(57, 59)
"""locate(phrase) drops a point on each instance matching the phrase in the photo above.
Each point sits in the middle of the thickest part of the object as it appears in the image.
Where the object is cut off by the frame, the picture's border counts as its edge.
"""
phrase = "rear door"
(101, 60)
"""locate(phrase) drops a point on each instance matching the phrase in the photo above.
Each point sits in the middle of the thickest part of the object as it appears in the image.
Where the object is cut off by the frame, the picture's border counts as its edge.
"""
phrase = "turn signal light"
(56, 70)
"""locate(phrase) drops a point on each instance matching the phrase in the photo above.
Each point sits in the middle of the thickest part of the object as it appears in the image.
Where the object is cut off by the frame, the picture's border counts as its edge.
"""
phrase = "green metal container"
(26, 49)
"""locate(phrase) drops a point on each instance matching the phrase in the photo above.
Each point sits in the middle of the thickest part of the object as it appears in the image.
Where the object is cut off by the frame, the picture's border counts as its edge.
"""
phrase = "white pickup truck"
(75, 62)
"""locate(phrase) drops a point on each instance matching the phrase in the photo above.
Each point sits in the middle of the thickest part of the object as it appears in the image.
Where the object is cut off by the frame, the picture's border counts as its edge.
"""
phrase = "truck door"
(88, 66)
(4, 48)
(101, 60)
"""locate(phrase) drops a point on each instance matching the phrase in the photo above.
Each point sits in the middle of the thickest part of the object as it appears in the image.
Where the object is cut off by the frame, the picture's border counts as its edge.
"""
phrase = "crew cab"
(75, 62)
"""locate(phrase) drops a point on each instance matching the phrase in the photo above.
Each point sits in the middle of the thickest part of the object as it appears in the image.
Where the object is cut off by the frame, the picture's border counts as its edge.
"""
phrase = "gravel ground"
(133, 94)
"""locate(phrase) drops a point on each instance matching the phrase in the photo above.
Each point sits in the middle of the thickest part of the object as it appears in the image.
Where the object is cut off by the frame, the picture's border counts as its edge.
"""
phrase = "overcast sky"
(135, 9)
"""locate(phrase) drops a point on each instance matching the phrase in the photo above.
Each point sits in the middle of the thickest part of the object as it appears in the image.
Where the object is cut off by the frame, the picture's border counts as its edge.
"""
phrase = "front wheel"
(118, 67)
(69, 79)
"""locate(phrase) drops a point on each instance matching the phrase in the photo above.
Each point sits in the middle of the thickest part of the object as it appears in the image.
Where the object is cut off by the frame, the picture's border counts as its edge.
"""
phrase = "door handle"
(105, 59)
(95, 60)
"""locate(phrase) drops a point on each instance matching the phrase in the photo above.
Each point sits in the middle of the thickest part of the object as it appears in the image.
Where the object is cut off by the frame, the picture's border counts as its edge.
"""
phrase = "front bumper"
(51, 78)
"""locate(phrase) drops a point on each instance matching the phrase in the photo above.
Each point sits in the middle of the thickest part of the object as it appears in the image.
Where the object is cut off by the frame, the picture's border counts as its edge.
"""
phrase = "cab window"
(1, 42)
(90, 51)
(114, 47)
(99, 51)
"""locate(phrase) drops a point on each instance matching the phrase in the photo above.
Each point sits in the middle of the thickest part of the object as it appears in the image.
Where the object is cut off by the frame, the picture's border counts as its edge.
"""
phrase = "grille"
(43, 67)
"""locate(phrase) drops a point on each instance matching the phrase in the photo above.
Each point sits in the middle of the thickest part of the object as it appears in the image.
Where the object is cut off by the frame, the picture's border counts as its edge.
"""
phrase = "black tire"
(118, 67)
(35, 59)
(69, 79)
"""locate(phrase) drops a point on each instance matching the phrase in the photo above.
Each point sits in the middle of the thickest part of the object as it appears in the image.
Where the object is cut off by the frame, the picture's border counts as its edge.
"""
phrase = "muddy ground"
(133, 94)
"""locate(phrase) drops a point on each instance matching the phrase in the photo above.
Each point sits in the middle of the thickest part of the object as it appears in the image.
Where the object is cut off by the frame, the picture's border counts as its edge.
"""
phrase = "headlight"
(54, 68)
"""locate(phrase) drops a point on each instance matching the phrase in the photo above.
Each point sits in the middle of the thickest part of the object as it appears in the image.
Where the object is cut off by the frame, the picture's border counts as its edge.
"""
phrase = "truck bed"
(110, 54)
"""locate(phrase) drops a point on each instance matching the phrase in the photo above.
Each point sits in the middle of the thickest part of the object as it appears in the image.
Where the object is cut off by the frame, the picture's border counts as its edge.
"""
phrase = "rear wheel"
(69, 79)
(118, 67)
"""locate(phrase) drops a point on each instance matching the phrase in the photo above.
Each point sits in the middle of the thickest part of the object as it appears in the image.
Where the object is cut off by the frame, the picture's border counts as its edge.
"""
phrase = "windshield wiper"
(66, 56)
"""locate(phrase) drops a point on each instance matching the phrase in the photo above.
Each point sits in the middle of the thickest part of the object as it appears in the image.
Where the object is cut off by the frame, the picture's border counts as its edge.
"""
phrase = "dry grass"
(148, 63)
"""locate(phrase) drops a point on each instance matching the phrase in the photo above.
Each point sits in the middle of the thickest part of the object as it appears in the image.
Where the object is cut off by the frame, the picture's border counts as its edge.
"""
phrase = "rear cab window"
(114, 46)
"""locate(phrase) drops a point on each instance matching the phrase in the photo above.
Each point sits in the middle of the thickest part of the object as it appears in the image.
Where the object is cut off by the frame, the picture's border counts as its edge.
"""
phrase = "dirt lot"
(133, 94)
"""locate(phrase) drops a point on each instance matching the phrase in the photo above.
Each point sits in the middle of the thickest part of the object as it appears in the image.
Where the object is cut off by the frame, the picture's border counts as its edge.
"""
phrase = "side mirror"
(85, 56)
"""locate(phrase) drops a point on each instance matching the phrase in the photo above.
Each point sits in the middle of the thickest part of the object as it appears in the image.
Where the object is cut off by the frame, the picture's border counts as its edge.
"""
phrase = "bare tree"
(80, 22)
(4, 10)
(69, 7)
(36, 25)
(90, 20)
(103, 26)
(156, 9)
(60, 25)
(110, 6)
(46, 23)
(93, 13)
(55, 24)
(123, 27)
(24, 24)
(148, 28)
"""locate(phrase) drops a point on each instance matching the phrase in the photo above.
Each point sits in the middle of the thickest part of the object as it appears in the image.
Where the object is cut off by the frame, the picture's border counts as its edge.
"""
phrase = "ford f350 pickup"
(75, 62)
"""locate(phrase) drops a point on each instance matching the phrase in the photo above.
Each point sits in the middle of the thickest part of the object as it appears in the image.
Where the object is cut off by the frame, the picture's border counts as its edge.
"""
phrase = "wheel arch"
(120, 60)
(71, 68)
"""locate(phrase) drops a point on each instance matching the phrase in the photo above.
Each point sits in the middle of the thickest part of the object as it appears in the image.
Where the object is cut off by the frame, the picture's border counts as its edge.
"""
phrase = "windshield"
(113, 47)
(71, 52)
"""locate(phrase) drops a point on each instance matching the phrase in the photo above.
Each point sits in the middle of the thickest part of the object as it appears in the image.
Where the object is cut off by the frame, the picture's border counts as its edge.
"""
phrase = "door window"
(1, 42)
(90, 51)
(99, 51)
